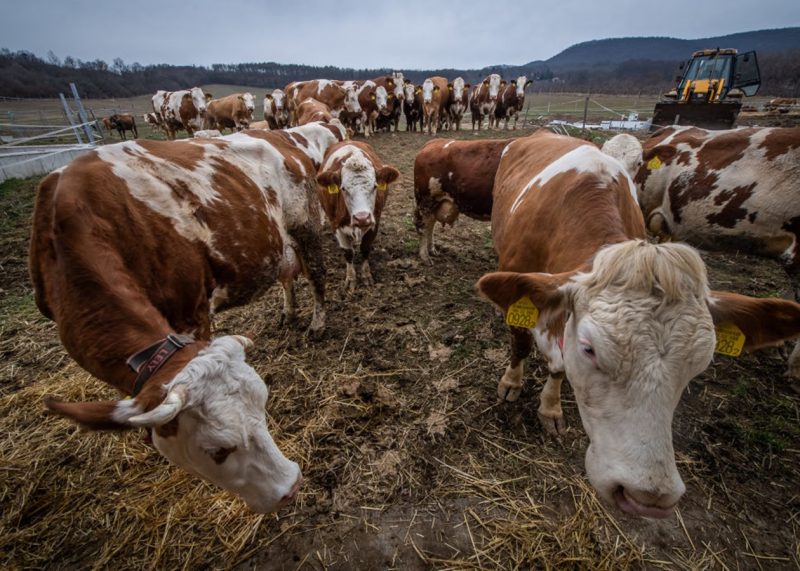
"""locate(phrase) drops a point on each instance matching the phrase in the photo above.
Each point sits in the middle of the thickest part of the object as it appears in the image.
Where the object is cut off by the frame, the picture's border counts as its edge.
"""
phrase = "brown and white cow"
(483, 100)
(435, 99)
(629, 323)
(153, 120)
(312, 110)
(373, 101)
(233, 112)
(353, 186)
(276, 113)
(132, 268)
(332, 93)
(510, 101)
(412, 106)
(458, 102)
(395, 95)
(182, 110)
(731, 190)
(451, 177)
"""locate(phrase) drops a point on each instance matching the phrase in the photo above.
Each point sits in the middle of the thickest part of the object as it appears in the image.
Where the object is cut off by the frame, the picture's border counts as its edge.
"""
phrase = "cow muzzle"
(646, 504)
(362, 220)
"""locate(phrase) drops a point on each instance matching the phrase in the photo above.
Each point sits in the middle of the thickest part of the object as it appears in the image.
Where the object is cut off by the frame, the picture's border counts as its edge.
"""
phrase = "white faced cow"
(629, 323)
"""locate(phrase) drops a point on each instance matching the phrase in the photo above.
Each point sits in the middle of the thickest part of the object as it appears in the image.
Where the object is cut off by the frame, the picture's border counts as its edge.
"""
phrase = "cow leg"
(314, 265)
(510, 386)
(366, 249)
(550, 414)
(793, 370)
(426, 247)
(289, 304)
(135, 132)
(350, 271)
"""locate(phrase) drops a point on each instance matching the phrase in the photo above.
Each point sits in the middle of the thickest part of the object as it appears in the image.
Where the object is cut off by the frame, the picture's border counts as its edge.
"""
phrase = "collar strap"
(146, 362)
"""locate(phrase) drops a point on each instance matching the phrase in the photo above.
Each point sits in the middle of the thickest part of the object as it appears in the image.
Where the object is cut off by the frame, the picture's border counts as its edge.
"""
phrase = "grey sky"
(401, 34)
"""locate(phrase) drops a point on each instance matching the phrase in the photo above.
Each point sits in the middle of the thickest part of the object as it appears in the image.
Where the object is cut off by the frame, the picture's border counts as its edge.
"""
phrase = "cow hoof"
(315, 331)
(552, 423)
(507, 391)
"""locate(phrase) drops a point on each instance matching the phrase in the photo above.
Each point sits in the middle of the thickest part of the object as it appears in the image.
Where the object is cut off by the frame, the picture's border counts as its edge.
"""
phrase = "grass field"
(410, 462)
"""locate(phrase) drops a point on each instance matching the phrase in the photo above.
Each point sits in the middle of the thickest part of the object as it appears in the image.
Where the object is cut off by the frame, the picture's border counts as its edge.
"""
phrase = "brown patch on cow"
(723, 150)
(732, 212)
(184, 154)
(780, 141)
(684, 158)
(300, 139)
(684, 190)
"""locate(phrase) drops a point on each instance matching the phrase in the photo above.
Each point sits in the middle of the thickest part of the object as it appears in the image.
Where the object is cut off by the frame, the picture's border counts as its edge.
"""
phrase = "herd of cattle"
(135, 246)
(363, 106)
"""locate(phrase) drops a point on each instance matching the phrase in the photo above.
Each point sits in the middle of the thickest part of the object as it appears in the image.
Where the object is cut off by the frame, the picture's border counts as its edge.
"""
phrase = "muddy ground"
(409, 460)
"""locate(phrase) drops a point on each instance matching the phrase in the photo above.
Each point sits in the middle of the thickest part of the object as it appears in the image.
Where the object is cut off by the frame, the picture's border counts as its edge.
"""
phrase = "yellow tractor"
(709, 90)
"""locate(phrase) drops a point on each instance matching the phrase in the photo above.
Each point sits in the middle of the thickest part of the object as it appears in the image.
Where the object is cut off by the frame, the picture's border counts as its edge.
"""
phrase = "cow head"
(381, 98)
(351, 103)
(638, 328)
(279, 97)
(427, 91)
(199, 99)
(211, 423)
(494, 86)
(409, 91)
(521, 83)
(249, 102)
(359, 182)
(626, 149)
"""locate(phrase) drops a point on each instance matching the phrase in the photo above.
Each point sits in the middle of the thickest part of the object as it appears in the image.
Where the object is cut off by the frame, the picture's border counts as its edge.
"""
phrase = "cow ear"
(546, 291)
(268, 96)
(486, 82)
(513, 82)
(503, 82)
(436, 88)
(763, 322)
(329, 178)
(386, 175)
(467, 86)
(527, 83)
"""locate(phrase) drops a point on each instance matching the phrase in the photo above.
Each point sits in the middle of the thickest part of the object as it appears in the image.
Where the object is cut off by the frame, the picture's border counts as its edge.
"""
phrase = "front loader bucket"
(705, 115)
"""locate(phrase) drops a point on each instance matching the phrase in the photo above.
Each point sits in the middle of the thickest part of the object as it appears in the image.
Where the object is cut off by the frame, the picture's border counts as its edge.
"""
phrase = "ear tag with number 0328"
(522, 313)
(730, 340)
(654, 164)
(333, 189)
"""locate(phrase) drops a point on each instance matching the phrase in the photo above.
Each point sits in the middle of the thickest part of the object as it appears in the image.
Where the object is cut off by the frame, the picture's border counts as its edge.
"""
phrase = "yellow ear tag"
(730, 340)
(333, 189)
(383, 186)
(522, 313)
(654, 164)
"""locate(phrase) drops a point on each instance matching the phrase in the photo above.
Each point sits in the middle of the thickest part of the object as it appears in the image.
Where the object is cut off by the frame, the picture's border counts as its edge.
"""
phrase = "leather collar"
(146, 362)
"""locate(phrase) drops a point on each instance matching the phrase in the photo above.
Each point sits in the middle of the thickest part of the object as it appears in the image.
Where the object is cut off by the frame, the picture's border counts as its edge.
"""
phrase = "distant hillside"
(618, 50)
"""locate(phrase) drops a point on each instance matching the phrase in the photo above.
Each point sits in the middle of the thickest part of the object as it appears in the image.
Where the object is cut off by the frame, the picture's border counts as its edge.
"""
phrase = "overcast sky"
(400, 34)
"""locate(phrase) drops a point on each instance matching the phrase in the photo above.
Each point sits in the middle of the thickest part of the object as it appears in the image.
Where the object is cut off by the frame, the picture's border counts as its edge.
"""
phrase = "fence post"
(82, 113)
(585, 112)
(68, 113)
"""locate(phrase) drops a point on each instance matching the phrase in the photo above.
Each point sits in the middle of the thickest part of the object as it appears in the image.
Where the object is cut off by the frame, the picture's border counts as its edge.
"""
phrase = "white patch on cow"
(447, 144)
(278, 97)
(219, 295)
(249, 102)
(521, 81)
(408, 89)
(319, 138)
(505, 150)
(582, 159)
(548, 346)
(299, 164)
(458, 88)
(322, 84)
(381, 98)
(494, 85)
(435, 188)
(450, 175)
(224, 410)
(427, 91)
(626, 149)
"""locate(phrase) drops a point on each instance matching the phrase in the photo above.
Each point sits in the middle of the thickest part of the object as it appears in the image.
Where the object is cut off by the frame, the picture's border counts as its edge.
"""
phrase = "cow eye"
(219, 455)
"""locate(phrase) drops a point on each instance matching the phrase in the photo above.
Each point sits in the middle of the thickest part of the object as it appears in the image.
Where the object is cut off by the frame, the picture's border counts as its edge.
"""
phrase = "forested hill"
(618, 50)
(621, 65)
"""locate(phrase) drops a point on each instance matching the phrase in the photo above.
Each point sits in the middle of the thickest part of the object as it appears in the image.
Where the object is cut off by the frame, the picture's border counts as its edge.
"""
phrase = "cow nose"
(362, 219)
(290, 497)
(645, 503)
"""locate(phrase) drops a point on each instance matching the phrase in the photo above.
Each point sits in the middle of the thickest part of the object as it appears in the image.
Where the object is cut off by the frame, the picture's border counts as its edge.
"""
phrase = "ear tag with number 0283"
(730, 340)
(333, 189)
(522, 313)
(654, 164)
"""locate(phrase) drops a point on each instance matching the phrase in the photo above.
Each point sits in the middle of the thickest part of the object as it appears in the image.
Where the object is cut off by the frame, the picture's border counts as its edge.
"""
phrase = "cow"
(412, 106)
(731, 190)
(183, 110)
(353, 186)
(395, 95)
(373, 101)
(628, 322)
(275, 112)
(510, 101)
(312, 110)
(451, 177)
(159, 99)
(435, 98)
(332, 93)
(153, 120)
(458, 101)
(124, 122)
(131, 270)
(484, 99)
(233, 112)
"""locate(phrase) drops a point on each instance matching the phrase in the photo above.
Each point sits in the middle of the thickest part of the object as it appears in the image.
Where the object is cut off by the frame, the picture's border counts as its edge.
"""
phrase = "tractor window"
(747, 77)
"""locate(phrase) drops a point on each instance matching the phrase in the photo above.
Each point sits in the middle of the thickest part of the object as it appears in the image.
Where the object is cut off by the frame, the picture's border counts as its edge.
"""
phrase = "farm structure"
(409, 459)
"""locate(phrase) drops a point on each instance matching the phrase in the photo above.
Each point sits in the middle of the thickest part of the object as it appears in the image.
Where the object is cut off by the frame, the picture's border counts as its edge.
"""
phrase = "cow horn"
(246, 342)
(163, 413)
